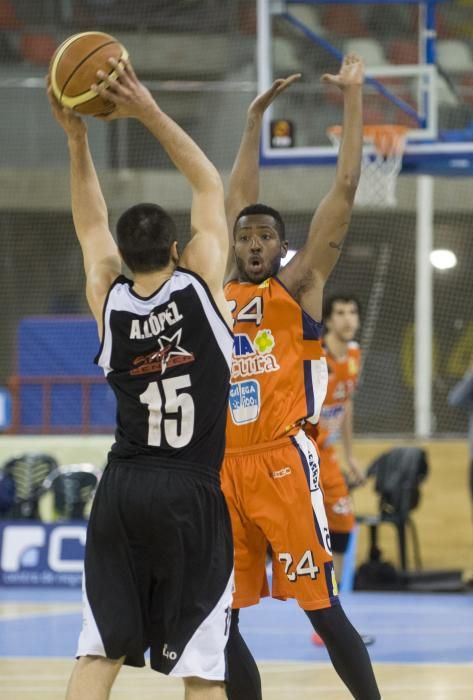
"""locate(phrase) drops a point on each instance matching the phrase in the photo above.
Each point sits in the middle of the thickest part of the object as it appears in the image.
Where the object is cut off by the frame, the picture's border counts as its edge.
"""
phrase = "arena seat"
(343, 20)
(28, 472)
(454, 56)
(445, 94)
(67, 492)
(37, 48)
(8, 18)
(286, 59)
(308, 16)
(403, 51)
(247, 18)
(370, 50)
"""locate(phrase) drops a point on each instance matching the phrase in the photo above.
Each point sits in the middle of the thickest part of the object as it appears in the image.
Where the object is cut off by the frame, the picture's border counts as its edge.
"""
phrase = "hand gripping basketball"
(128, 95)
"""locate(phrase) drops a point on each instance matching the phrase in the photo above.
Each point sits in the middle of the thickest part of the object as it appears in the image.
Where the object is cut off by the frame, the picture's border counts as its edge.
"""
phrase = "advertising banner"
(35, 554)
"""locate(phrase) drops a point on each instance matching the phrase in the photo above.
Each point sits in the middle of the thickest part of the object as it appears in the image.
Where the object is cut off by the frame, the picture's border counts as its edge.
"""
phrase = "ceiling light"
(443, 259)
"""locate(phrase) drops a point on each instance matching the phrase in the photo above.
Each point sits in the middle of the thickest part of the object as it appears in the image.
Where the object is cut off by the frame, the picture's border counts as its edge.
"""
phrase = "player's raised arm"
(207, 251)
(310, 268)
(243, 188)
(101, 259)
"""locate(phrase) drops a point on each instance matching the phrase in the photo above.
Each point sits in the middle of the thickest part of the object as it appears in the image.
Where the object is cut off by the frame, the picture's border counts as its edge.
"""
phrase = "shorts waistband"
(262, 446)
(197, 471)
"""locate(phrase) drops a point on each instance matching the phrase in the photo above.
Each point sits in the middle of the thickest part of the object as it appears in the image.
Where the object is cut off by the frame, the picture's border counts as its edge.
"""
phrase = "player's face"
(344, 320)
(258, 248)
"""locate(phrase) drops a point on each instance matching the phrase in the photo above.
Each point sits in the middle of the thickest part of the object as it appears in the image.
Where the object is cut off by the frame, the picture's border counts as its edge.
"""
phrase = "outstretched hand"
(351, 73)
(261, 103)
(130, 97)
(72, 124)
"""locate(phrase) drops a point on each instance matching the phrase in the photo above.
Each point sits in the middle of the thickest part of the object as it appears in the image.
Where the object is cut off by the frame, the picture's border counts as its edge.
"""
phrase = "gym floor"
(423, 647)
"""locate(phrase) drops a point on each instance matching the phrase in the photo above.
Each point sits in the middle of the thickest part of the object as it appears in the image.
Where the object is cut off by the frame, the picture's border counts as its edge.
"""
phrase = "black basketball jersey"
(167, 358)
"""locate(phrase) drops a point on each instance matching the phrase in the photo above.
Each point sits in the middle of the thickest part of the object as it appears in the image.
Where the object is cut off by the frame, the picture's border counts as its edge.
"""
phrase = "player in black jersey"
(159, 555)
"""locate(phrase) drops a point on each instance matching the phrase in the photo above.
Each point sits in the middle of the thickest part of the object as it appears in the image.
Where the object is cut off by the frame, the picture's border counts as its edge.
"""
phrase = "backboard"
(407, 82)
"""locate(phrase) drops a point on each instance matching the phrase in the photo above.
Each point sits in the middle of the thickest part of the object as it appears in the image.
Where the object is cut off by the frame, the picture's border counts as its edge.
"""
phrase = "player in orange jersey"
(341, 315)
(270, 474)
(341, 319)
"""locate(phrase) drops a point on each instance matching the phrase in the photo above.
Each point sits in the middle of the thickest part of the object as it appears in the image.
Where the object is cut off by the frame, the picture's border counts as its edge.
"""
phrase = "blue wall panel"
(63, 346)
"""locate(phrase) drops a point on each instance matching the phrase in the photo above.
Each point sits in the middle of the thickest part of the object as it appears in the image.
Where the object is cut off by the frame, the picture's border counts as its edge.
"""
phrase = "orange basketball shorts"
(274, 498)
(338, 504)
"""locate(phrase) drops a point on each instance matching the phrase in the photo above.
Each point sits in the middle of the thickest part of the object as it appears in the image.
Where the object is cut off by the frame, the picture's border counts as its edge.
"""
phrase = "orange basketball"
(73, 69)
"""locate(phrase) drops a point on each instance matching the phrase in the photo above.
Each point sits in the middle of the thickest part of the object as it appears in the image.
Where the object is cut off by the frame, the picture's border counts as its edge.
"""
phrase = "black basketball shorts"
(158, 571)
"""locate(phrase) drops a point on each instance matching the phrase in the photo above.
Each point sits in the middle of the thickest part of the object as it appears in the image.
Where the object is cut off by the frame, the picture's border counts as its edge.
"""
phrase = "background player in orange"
(341, 315)
(270, 474)
(159, 554)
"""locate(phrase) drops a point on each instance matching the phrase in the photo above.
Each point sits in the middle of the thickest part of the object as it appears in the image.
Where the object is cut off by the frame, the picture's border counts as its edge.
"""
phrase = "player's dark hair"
(332, 299)
(145, 234)
(269, 211)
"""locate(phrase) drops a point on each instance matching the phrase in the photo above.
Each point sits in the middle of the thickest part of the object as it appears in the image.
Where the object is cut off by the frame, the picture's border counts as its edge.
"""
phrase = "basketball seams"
(74, 70)
(81, 63)
(89, 95)
(60, 53)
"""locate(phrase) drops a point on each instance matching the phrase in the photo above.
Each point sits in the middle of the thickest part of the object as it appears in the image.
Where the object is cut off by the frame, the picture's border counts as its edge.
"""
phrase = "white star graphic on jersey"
(171, 348)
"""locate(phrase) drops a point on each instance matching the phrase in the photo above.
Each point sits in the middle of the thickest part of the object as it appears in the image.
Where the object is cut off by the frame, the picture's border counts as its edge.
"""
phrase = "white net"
(381, 163)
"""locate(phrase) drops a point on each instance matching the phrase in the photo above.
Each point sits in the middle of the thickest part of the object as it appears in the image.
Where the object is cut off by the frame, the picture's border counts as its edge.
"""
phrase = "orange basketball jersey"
(342, 380)
(279, 371)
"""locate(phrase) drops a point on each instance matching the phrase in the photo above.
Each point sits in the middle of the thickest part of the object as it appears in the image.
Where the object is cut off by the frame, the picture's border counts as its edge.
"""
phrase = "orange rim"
(388, 139)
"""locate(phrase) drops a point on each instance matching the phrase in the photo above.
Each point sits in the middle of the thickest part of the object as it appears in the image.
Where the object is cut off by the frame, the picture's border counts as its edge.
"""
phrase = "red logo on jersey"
(170, 354)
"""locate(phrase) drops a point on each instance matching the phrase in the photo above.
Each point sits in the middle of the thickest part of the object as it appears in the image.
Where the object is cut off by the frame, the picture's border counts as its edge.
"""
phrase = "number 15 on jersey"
(171, 411)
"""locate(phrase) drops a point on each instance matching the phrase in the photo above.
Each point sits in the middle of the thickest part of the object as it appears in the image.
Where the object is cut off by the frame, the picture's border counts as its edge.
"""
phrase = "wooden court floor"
(38, 628)
(46, 679)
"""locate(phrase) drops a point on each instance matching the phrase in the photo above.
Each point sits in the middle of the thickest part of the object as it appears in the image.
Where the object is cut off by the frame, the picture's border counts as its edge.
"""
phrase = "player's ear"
(175, 253)
(284, 248)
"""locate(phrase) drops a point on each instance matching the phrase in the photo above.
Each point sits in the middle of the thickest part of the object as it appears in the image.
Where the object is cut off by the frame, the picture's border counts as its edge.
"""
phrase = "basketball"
(73, 69)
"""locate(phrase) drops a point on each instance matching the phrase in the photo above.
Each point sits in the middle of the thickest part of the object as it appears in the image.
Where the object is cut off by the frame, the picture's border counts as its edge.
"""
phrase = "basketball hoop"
(384, 146)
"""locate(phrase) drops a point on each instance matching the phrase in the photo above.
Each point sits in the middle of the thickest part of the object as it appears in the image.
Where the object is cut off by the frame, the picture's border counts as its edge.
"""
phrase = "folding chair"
(398, 474)
(67, 492)
(28, 472)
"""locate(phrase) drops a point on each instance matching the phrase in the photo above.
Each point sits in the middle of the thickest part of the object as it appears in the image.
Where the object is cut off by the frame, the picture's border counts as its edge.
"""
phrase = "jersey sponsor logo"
(155, 323)
(170, 354)
(352, 366)
(343, 506)
(331, 420)
(342, 390)
(331, 412)
(264, 341)
(250, 358)
(314, 470)
(285, 471)
(245, 401)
